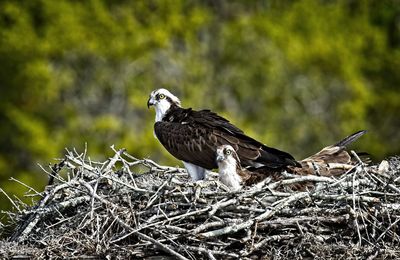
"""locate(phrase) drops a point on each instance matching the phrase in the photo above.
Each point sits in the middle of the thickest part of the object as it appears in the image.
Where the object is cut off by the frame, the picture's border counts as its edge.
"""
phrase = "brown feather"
(332, 160)
(193, 136)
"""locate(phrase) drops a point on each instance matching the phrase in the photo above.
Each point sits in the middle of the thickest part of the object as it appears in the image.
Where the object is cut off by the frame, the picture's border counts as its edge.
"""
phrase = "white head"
(228, 166)
(162, 100)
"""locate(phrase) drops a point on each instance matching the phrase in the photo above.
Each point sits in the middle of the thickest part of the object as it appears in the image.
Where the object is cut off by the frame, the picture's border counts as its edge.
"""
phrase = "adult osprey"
(330, 161)
(193, 137)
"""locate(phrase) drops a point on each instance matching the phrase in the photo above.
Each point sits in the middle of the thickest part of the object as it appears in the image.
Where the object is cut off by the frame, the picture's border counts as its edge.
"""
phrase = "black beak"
(149, 104)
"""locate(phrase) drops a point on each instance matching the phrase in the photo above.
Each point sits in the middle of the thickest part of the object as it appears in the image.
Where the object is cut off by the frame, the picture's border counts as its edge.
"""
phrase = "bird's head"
(226, 155)
(162, 100)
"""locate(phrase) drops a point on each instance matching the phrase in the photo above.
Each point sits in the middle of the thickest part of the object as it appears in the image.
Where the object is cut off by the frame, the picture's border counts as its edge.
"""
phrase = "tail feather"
(332, 160)
(351, 138)
(334, 154)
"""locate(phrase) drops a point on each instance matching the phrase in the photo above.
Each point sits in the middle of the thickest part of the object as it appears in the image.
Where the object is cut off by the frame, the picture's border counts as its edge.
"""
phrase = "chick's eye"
(228, 152)
(161, 96)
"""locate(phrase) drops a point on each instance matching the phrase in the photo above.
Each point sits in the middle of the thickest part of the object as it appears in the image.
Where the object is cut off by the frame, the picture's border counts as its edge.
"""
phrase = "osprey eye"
(228, 152)
(161, 96)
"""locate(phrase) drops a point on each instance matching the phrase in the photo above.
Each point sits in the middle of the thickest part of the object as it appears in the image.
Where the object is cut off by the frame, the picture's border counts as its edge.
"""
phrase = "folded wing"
(193, 136)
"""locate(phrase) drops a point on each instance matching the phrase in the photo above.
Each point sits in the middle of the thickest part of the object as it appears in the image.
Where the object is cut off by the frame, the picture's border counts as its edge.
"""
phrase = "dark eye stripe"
(159, 95)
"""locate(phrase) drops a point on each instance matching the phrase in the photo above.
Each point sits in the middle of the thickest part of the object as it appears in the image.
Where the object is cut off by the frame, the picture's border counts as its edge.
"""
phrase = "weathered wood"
(105, 209)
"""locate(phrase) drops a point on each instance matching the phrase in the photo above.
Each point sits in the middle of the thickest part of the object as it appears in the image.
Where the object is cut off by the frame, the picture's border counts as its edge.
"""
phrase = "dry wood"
(110, 210)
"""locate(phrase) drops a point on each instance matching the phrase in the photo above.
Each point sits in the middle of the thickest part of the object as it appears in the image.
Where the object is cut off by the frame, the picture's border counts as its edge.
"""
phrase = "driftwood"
(126, 207)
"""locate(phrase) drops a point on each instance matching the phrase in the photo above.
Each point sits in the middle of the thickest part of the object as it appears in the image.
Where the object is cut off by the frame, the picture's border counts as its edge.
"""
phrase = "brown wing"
(187, 143)
(336, 153)
(253, 176)
(330, 161)
(193, 136)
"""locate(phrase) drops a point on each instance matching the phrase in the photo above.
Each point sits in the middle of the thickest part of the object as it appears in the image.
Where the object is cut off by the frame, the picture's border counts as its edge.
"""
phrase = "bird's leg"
(195, 172)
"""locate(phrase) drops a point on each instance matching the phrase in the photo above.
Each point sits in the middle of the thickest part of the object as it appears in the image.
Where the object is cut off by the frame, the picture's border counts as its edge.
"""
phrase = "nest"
(109, 210)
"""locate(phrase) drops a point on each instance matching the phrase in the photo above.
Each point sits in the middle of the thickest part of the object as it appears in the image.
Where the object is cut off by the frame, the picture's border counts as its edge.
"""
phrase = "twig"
(27, 186)
(12, 202)
(153, 241)
(248, 223)
(213, 252)
(102, 209)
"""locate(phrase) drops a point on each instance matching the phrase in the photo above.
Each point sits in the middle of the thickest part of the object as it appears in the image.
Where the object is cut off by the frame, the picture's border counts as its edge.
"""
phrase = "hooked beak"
(149, 103)
(219, 158)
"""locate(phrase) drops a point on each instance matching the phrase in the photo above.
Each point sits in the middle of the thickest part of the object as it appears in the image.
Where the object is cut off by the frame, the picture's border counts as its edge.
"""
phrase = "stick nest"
(109, 210)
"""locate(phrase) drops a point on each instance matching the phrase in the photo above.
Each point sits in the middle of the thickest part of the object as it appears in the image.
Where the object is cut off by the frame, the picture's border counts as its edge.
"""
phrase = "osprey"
(330, 161)
(193, 137)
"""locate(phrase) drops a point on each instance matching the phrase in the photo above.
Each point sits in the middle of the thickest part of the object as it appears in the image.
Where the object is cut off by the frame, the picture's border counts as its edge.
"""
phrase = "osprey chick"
(230, 171)
(233, 175)
(193, 137)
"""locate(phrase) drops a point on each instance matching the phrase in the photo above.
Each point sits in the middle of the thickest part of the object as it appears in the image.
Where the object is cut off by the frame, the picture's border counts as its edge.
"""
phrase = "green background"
(297, 75)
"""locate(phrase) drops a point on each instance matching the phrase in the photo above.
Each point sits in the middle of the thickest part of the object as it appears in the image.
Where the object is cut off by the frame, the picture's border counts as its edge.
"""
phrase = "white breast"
(161, 109)
(228, 174)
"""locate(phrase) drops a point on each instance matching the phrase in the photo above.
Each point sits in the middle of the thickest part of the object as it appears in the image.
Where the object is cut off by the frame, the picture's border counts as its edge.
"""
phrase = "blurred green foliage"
(297, 75)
